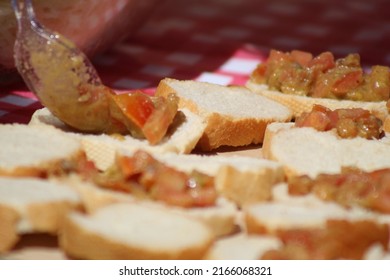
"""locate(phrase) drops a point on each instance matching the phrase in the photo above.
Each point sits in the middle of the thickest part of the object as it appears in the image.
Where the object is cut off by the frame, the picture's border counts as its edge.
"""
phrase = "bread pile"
(46, 186)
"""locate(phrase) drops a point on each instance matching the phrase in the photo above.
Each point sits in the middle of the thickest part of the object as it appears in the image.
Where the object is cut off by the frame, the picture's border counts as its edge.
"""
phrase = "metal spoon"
(59, 74)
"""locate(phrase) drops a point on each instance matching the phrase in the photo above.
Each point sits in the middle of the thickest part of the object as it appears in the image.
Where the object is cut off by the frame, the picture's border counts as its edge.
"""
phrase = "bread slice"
(181, 137)
(267, 218)
(319, 231)
(33, 151)
(242, 247)
(299, 104)
(220, 218)
(308, 151)
(241, 179)
(30, 205)
(234, 116)
(134, 231)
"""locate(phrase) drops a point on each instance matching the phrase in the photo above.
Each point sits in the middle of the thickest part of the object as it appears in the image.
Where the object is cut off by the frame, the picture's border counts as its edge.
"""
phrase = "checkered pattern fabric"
(222, 41)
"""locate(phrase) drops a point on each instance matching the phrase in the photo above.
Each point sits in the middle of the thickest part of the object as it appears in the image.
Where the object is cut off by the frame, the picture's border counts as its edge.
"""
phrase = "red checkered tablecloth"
(221, 41)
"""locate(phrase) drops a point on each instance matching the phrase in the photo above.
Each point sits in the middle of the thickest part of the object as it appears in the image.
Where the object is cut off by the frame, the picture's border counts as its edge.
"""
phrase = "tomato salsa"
(298, 72)
(147, 178)
(349, 123)
(331, 241)
(352, 187)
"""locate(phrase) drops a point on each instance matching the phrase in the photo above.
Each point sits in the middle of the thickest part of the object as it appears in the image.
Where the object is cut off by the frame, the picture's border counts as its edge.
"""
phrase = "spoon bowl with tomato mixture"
(65, 82)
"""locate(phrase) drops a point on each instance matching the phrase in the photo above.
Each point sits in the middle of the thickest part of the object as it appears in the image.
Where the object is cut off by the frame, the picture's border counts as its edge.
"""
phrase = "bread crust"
(9, 236)
(293, 163)
(81, 243)
(221, 130)
(246, 187)
(219, 218)
(45, 169)
(299, 104)
(101, 149)
(48, 217)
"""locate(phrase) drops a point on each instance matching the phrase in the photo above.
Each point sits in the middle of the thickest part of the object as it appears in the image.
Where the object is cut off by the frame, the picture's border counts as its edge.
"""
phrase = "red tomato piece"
(301, 57)
(323, 61)
(136, 106)
(348, 81)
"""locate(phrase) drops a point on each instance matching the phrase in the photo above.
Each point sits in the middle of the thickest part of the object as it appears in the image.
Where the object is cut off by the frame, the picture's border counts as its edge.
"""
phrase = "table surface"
(221, 41)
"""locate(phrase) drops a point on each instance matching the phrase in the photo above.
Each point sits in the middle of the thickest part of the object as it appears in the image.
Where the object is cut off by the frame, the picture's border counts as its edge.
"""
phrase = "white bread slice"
(267, 218)
(241, 179)
(234, 115)
(376, 252)
(242, 247)
(134, 231)
(32, 205)
(299, 104)
(280, 195)
(27, 150)
(181, 137)
(306, 151)
(220, 219)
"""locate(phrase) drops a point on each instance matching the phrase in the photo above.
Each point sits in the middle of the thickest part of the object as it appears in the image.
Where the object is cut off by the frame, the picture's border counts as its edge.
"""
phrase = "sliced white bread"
(240, 179)
(234, 115)
(242, 247)
(267, 218)
(32, 205)
(134, 231)
(280, 195)
(275, 217)
(181, 137)
(220, 218)
(31, 151)
(376, 252)
(306, 151)
(299, 104)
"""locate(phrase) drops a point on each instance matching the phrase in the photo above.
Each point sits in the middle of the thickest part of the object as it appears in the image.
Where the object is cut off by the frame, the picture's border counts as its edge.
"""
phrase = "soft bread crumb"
(135, 231)
(242, 247)
(234, 115)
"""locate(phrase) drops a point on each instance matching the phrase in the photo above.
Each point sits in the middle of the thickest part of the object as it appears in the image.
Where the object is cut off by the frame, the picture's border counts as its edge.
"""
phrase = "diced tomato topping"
(349, 81)
(303, 58)
(351, 187)
(136, 106)
(297, 72)
(323, 61)
(316, 119)
(348, 123)
(158, 122)
(144, 176)
(142, 115)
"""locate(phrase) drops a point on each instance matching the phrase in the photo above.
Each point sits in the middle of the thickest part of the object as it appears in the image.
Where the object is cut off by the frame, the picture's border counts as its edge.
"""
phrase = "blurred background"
(135, 43)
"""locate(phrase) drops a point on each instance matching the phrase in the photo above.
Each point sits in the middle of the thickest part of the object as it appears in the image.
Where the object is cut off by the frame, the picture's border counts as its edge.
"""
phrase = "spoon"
(67, 84)
(58, 73)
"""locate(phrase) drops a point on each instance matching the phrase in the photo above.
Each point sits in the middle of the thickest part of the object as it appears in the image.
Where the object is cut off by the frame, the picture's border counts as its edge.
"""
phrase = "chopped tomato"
(297, 72)
(348, 123)
(145, 177)
(136, 106)
(351, 187)
(158, 123)
(379, 82)
(144, 116)
(323, 62)
(276, 55)
(330, 241)
(316, 119)
(303, 58)
(348, 81)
